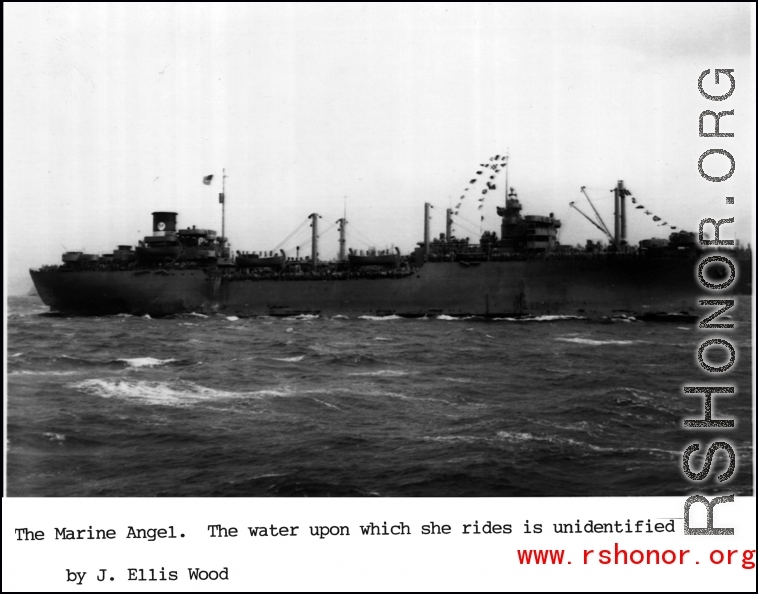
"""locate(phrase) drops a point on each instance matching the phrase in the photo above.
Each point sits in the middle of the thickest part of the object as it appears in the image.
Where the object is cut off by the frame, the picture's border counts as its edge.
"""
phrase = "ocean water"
(222, 406)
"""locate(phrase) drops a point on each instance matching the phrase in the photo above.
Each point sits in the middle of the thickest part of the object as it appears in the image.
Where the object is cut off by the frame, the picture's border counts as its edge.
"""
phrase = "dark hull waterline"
(589, 288)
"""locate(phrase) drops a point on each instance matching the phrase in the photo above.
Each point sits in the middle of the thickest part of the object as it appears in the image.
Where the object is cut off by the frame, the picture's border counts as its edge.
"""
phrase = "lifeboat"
(374, 259)
(159, 249)
(70, 257)
(256, 261)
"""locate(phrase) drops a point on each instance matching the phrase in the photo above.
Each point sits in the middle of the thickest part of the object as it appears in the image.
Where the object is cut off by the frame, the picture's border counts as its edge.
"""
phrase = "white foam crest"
(270, 475)
(449, 318)
(381, 373)
(523, 437)
(327, 404)
(552, 318)
(454, 438)
(545, 318)
(380, 318)
(404, 397)
(583, 426)
(678, 328)
(147, 317)
(516, 436)
(164, 393)
(232, 318)
(375, 338)
(146, 361)
(340, 317)
(17, 354)
(306, 317)
(589, 341)
(290, 359)
(54, 436)
(459, 380)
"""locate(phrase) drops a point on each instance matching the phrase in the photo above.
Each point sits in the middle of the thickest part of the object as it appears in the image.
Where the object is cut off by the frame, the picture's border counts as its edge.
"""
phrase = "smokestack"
(164, 223)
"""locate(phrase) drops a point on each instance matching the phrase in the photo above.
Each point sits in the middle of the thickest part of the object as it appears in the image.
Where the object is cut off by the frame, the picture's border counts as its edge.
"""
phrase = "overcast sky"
(112, 111)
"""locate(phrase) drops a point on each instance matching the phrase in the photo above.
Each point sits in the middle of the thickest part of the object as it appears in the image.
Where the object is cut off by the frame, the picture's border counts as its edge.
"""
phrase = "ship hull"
(113, 292)
(577, 287)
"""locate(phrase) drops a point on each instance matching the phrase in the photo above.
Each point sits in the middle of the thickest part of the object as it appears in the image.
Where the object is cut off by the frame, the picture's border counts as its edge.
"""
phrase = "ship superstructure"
(523, 271)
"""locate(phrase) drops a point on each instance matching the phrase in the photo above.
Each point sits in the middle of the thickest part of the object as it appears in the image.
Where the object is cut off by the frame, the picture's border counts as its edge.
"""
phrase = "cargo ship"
(523, 272)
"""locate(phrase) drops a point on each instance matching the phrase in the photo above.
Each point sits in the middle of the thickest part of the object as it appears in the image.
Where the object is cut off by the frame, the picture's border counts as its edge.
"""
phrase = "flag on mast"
(207, 180)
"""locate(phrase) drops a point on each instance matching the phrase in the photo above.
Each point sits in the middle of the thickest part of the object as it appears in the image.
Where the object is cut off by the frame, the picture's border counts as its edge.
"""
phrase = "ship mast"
(619, 227)
(506, 178)
(342, 222)
(449, 225)
(222, 200)
(427, 216)
(314, 239)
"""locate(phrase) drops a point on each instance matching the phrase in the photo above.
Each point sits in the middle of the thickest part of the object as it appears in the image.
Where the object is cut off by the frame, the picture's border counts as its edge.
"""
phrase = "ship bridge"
(526, 234)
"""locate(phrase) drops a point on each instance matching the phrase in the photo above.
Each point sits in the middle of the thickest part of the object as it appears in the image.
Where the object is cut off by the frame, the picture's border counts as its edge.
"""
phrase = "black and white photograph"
(368, 250)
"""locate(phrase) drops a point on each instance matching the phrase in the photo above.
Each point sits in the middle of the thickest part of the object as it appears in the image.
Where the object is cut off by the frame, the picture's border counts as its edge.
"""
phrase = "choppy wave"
(146, 361)
(380, 318)
(590, 341)
(486, 408)
(546, 318)
(54, 436)
(41, 372)
(327, 404)
(165, 393)
(381, 373)
(516, 436)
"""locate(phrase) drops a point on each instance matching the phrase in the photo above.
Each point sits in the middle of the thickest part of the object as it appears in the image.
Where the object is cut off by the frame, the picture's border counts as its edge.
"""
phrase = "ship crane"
(605, 231)
(597, 214)
(602, 228)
